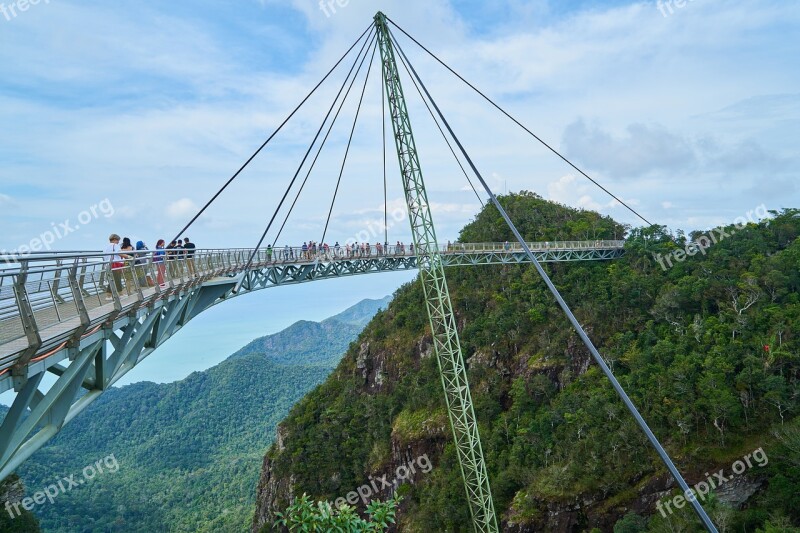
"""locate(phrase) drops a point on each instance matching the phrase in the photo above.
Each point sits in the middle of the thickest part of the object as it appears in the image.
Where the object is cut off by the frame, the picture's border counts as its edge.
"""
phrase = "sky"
(127, 117)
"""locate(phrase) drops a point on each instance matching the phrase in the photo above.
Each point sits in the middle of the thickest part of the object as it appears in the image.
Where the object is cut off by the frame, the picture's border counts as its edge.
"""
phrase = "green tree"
(631, 523)
(308, 516)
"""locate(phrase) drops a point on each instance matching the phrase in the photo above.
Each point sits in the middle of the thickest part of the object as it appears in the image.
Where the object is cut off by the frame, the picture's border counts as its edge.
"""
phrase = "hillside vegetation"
(708, 350)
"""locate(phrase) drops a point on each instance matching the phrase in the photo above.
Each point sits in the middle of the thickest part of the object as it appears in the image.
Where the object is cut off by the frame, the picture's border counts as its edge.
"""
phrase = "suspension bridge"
(73, 323)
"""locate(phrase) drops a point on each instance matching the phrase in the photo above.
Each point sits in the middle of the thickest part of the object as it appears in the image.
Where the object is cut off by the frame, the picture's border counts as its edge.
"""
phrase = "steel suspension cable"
(349, 142)
(518, 123)
(274, 133)
(314, 161)
(311, 146)
(709, 525)
(444, 136)
(385, 197)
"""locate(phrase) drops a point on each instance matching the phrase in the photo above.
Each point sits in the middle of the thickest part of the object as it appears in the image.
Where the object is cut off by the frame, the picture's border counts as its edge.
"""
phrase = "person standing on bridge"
(158, 259)
(129, 264)
(116, 265)
(171, 258)
(141, 265)
(179, 255)
(189, 247)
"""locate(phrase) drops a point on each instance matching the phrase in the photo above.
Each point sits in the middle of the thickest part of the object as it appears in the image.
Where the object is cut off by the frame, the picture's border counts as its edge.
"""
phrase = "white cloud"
(561, 189)
(182, 208)
(653, 150)
(570, 190)
(643, 149)
(445, 207)
(127, 212)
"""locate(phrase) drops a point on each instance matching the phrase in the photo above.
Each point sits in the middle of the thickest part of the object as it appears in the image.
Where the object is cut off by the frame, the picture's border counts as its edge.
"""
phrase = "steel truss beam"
(519, 257)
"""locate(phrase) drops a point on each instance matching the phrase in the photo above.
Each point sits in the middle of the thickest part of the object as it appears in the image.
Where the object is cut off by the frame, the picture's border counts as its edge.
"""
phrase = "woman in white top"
(116, 264)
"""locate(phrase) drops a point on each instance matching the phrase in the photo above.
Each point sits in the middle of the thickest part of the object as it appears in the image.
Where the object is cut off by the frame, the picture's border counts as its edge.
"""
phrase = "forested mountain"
(708, 349)
(188, 452)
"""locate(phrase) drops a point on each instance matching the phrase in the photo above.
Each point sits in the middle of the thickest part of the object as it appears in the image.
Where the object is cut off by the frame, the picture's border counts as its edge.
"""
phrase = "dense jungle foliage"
(708, 350)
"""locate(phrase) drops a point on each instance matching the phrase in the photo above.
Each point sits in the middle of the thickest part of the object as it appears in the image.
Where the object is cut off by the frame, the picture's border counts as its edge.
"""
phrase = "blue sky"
(154, 104)
(690, 117)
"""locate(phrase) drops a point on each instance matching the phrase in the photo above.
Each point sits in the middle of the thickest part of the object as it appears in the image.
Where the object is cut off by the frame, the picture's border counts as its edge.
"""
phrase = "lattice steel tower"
(440, 310)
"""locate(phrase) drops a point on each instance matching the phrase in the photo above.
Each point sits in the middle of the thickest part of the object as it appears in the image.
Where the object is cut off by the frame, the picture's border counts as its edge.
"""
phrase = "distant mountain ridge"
(300, 342)
(361, 314)
(189, 452)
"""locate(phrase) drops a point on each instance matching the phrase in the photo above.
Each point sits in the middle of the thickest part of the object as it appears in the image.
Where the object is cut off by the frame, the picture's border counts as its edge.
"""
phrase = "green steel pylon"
(440, 310)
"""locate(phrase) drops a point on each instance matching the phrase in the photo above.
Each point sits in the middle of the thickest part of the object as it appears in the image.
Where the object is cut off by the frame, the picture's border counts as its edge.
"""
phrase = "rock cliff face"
(13, 516)
(271, 488)
(408, 459)
(11, 491)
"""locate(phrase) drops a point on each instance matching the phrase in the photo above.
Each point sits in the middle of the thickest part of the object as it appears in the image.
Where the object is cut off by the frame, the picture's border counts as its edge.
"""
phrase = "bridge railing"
(40, 291)
(512, 247)
(70, 289)
(52, 262)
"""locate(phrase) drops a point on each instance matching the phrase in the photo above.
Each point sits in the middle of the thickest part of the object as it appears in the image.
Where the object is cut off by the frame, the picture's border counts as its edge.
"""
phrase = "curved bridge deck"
(48, 295)
(74, 316)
